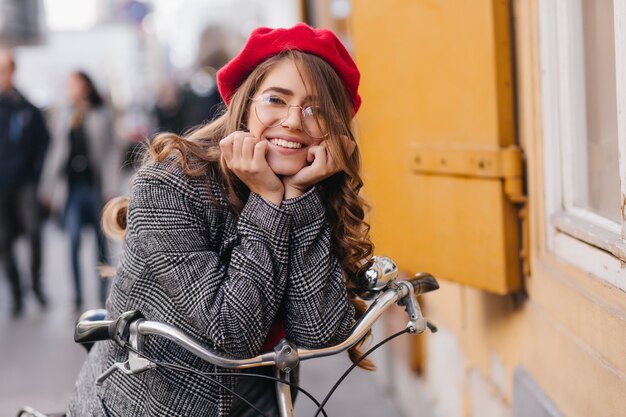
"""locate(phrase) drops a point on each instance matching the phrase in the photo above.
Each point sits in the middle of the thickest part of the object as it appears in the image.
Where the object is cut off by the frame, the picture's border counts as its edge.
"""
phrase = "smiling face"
(288, 142)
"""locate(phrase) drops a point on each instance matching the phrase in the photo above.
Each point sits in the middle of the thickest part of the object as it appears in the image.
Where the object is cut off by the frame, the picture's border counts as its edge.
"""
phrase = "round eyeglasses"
(272, 110)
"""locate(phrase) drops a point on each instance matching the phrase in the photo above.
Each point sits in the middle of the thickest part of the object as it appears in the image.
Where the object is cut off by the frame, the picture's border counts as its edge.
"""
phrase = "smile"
(286, 143)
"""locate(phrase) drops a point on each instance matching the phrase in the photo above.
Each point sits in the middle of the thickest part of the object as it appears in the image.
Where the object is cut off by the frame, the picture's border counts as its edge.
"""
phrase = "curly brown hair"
(198, 153)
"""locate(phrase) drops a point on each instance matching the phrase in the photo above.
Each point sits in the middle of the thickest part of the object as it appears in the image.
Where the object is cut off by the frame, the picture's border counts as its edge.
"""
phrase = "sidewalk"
(360, 394)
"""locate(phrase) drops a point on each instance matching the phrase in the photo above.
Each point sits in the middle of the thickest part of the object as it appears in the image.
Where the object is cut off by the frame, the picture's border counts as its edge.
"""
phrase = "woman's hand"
(321, 167)
(244, 154)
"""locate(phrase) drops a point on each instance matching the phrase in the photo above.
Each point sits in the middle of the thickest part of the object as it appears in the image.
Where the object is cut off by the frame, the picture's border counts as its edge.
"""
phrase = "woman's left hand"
(321, 167)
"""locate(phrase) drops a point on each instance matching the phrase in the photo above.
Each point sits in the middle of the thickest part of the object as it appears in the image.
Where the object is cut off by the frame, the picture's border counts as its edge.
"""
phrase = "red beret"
(266, 42)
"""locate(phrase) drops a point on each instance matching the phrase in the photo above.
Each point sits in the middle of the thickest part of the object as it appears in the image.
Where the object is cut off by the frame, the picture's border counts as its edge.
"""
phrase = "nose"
(293, 120)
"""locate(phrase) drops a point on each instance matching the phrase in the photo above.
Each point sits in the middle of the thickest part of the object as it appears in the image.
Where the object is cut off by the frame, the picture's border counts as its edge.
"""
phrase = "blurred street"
(39, 360)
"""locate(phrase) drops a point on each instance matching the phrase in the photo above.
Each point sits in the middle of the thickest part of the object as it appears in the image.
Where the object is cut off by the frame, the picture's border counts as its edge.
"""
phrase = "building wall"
(556, 348)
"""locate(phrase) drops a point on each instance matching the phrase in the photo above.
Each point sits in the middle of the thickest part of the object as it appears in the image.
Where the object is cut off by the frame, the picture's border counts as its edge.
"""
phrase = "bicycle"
(378, 283)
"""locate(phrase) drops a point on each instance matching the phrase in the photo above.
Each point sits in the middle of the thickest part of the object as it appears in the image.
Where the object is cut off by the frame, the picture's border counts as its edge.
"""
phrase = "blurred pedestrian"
(167, 110)
(24, 139)
(180, 108)
(82, 169)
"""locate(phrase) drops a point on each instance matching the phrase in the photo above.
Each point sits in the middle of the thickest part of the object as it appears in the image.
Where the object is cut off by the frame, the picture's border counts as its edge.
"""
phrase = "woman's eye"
(269, 99)
(311, 111)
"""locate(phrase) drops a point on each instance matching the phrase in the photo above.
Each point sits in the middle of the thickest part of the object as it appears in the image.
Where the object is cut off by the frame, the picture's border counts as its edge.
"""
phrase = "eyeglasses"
(272, 110)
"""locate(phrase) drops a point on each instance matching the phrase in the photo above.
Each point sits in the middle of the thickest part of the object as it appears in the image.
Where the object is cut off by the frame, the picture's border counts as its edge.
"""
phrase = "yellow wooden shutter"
(437, 129)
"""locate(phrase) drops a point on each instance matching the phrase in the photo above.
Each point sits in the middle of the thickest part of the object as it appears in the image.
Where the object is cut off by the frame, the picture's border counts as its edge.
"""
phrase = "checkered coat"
(190, 262)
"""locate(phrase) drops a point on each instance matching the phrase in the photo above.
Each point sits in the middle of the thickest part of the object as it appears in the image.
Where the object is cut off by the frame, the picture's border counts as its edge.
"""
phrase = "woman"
(82, 169)
(245, 231)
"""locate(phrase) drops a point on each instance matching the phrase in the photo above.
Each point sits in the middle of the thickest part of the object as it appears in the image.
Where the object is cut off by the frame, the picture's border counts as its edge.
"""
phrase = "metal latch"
(503, 163)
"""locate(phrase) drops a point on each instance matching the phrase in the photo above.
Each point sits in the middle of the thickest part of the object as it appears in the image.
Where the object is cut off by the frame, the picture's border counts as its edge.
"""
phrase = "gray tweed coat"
(190, 262)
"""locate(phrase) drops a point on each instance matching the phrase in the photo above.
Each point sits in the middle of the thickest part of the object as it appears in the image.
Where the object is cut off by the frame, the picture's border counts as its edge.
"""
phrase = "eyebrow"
(279, 90)
(285, 92)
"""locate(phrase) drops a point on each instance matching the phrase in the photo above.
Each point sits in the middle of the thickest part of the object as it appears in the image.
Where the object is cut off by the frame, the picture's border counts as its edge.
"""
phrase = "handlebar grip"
(94, 331)
(89, 331)
(423, 283)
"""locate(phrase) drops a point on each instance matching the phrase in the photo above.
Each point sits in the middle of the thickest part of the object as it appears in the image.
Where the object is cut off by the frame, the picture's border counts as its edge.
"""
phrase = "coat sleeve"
(318, 311)
(232, 296)
(41, 139)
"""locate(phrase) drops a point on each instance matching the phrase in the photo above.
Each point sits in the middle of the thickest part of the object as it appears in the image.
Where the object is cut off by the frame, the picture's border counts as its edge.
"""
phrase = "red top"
(276, 333)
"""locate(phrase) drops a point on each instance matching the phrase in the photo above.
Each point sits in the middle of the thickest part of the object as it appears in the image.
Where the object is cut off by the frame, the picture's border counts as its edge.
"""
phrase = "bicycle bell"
(375, 278)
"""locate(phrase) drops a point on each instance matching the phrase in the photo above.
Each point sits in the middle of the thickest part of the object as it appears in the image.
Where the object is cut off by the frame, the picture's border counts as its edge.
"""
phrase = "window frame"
(579, 237)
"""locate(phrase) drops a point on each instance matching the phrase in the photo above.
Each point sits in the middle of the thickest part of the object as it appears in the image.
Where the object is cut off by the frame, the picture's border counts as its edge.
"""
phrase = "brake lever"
(417, 323)
(122, 366)
(135, 363)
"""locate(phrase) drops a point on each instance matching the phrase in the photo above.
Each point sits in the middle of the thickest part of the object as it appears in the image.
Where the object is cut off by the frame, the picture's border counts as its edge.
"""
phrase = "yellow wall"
(570, 333)
(437, 80)
(575, 324)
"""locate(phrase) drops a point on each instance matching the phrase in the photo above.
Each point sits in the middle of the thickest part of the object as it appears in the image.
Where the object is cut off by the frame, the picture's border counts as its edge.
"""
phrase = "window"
(583, 91)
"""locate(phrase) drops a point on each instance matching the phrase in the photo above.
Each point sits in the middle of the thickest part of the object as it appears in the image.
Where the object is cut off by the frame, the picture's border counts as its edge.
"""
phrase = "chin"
(285, 169)
(285, 166)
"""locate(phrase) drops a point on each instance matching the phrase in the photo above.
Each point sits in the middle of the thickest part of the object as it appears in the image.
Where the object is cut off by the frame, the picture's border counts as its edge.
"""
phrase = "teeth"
(286, 144)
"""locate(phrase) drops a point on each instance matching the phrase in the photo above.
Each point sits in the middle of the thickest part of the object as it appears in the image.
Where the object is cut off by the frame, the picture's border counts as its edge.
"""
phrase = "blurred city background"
(493, 140)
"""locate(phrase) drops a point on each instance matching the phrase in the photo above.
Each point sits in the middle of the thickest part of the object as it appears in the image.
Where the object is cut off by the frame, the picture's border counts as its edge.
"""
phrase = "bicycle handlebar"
(88, 330)
(423, 283)
(360, 329)
(155, 328)
(93, 331)
(131, 326)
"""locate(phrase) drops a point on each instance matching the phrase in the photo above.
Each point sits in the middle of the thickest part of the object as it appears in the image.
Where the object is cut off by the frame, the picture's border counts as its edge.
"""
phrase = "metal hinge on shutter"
(504, 163)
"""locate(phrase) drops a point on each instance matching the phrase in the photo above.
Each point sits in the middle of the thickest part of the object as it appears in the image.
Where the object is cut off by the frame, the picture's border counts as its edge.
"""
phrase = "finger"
(330, 163)
(324, 159)
(319, 156)
(237, 144)
(226, 146)
(247, 147)
(331, 167)
(260, 151)
(310, 155)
